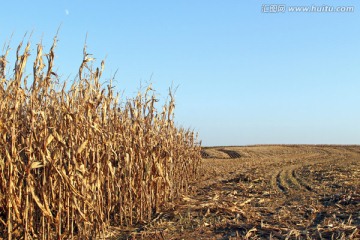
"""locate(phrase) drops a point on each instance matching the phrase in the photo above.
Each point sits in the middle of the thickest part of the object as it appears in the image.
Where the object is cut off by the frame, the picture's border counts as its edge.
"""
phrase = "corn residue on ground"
(269, 192)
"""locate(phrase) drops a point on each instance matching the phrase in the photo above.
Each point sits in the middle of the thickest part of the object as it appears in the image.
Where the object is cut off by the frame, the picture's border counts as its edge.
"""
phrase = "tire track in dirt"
(287, 179)
(231, 153)
(279, 184)
(204, 154)
(301, 181)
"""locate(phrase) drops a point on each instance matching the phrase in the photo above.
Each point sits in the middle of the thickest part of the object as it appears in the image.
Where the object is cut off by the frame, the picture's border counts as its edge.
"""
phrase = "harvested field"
(278, 192)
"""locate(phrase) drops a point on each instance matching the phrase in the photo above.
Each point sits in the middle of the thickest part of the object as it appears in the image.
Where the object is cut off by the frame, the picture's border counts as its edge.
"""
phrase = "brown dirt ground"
(266, 192)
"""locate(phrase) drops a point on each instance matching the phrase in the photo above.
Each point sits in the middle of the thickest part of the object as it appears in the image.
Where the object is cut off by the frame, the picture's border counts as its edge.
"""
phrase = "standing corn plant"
(74, 161)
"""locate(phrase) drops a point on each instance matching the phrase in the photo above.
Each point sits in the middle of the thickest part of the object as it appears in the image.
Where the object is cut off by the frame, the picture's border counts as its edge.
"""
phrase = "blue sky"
(244, 77)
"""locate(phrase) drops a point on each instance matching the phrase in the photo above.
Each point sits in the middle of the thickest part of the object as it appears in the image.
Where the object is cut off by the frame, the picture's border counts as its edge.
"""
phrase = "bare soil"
(266, 192)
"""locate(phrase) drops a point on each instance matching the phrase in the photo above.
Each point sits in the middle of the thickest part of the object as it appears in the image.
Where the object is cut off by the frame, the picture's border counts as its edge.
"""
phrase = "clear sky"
(244, 76)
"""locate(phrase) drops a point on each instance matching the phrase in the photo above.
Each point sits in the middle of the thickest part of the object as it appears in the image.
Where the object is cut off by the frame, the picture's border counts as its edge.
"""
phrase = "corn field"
(76, 160)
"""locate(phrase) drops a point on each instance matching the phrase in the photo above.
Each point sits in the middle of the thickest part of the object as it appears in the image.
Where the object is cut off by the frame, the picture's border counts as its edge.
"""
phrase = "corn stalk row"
(74, 160)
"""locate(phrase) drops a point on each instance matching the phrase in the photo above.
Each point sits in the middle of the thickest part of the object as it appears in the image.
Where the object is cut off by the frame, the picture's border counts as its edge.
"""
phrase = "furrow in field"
(231, 153)
(280, 183)
(301, 181)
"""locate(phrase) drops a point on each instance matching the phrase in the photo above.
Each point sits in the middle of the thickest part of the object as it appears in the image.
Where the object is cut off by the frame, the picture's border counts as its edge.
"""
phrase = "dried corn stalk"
(73, 162)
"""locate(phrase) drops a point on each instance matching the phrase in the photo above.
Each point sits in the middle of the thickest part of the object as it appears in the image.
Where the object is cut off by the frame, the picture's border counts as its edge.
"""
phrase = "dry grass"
(74, 162)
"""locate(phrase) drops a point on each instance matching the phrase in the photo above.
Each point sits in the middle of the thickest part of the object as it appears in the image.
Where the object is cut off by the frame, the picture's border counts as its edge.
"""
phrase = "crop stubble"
(279, 191)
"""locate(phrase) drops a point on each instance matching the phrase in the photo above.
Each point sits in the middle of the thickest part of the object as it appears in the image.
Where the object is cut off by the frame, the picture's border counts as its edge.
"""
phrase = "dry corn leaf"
(82, 147)
(49, 139)
(35, 165)
(39, 204)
